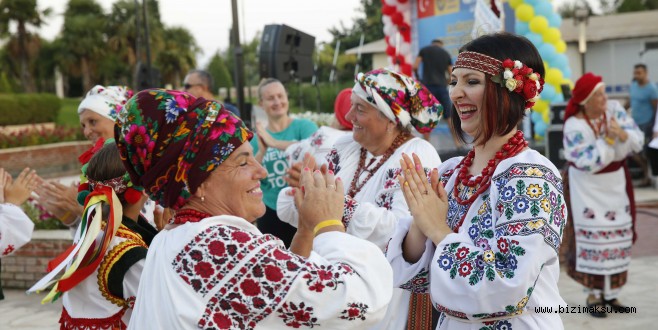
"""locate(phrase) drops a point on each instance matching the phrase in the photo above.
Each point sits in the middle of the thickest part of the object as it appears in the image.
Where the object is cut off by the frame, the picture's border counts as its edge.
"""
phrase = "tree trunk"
(86, 75)
(26, 77)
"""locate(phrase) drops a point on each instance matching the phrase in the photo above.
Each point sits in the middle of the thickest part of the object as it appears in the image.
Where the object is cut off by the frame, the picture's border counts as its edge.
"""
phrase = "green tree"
(23, 13)
(626, 6)
(219, 72)
(83, 39)
(178, 54)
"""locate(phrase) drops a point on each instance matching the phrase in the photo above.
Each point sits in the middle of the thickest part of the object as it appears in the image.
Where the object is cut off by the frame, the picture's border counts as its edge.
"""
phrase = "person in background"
(15, 226)
(100, 283)
(97, 112)
(200, 83)
(320, 143)
(644, 101)
(386, 106)
(598, 137)
(437, 65)
(486, 246)
(269, 148)
(211, 268)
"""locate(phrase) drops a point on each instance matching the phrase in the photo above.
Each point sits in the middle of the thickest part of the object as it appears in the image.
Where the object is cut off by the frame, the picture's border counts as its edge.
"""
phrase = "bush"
(328, 93)
(19, 109)
(41, 218)
(32, 136)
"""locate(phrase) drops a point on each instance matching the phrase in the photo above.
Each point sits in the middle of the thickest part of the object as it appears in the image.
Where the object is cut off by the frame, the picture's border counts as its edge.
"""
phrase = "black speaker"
(286, 53)
(554, 146)
(557, 113)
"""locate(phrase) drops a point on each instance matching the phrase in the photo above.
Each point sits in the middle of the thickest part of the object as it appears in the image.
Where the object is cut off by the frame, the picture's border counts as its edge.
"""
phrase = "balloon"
(521, 28)
(547, 52)
(535, 39)
(554, 76)
(538, 24)
(405, 48)
(515, 3)
(535, 116)
(559, 98)
(540, 107)
(561, 62)
(552, 35)
(546, 116)
(566, 72)
(540, 128)
(548, 93)
(555, 20)
(525, 12)
(560, 46)
(544, 8)
(533, 2)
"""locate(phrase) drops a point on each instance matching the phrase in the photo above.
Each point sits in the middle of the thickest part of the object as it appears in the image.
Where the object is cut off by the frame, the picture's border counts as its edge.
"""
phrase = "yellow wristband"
(326, 223)
(65, 217)
(609, 140)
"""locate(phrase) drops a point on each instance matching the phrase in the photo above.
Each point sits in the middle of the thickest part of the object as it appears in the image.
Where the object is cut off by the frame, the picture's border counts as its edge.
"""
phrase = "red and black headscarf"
(171, 141)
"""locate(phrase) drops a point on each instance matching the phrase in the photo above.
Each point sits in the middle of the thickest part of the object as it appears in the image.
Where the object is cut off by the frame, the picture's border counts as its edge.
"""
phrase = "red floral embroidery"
(9, 249)
(348, 212)
(323, 276)
(297, 315)
(462, 252)
(355, 311)
(113, 322)
(385, 200)
(333, 160)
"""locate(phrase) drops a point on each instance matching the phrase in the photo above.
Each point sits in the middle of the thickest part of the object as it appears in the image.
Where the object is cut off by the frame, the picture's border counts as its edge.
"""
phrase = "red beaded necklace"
(355, 187)
(599, 129)
(513, 146)
(189, 215)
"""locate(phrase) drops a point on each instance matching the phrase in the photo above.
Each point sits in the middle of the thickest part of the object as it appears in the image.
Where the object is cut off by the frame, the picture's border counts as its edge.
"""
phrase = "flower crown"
(121, 185)
(515, 76)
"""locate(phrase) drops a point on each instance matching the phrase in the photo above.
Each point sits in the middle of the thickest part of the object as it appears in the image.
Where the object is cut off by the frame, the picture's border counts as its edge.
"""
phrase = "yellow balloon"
(538, 24)
(525, 12)
(515, 3)
(552, 36)
(541, 106)
(546, 116)
(560, 47)
(554, 77)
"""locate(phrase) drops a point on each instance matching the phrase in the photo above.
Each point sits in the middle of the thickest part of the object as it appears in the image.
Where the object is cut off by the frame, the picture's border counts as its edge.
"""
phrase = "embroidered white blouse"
(503, 261)
(15, 229)
(318, 145)
(222, 273)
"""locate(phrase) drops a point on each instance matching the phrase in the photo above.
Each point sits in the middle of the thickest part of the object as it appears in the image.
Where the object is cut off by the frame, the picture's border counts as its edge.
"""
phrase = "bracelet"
(325, 224)
(65, 216)
(609, 140)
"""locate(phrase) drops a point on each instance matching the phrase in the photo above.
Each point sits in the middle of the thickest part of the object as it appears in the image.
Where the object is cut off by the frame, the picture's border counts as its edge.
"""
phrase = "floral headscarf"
(171, 141)
(106, 101)
(400, 98)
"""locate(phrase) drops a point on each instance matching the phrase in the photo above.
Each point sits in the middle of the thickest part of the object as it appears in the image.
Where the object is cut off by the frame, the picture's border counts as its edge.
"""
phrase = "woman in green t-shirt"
(269, 148)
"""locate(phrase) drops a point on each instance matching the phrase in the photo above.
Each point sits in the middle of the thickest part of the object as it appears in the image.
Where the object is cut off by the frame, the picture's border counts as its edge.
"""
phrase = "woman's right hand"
(319, 198)
(427, 202)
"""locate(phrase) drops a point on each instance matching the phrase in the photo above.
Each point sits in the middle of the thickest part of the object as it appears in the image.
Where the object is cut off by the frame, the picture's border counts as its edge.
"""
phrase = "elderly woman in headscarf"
(211, 267)
(97, 113)
(386, 105)
(598, 136)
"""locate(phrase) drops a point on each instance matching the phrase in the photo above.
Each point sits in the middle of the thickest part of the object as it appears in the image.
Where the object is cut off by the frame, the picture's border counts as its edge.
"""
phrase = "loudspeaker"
(554, 146)
(557, 113)
(286, 53)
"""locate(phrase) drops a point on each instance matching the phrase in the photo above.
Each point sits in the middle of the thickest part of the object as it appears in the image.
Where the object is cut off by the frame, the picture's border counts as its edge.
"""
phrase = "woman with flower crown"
(485, 230)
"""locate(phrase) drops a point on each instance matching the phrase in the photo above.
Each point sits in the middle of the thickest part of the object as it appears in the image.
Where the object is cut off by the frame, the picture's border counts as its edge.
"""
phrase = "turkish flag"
(425, 8)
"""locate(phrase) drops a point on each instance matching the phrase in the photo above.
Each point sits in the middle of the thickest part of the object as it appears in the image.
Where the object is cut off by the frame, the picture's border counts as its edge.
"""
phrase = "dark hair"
(106, 164)
(502, 110)
(206, 79)
(265, 82)
(640, 65)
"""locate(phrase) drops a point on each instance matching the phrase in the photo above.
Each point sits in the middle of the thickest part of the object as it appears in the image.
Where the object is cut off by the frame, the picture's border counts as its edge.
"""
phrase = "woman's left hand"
(615, 131)
(428, 202)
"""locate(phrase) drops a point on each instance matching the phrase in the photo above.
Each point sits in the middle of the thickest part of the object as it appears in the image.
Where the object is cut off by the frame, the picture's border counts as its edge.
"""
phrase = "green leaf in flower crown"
(497, 79)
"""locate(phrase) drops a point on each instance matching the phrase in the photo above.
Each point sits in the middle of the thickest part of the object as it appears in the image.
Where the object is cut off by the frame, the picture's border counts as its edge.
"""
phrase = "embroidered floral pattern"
(297, 315)
(355, 311)
(333, 161)
(385, 200)
(8, 250)
(348, 211)
(327, 276)
(605, 234)
(418, 284)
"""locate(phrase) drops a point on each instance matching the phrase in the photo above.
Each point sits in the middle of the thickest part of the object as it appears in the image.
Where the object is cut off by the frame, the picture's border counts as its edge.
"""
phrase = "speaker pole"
(149, 77)
(358, 55)
(332, 75)
(314, 81)
(138, 43)
(239, 65)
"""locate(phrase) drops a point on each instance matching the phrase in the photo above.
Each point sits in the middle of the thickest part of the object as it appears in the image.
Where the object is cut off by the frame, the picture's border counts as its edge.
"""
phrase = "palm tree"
(178, 54)
(23, 13)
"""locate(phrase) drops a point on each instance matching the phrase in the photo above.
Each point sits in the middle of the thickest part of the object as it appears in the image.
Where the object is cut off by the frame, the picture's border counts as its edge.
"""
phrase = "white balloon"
(387, 20)
(391, 2)
(405, 48)
(406, 15)
(390, 31)
(404, 7)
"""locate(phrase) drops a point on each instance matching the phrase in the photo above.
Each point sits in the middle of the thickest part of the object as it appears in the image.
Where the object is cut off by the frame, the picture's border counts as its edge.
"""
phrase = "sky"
(210, 20)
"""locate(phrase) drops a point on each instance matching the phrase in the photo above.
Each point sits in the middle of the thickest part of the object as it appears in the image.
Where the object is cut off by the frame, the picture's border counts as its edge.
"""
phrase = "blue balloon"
(535, 39)
(566, 72)
(554, 20)
(535, 117)
(548, 93)
(540, 128)
(544, 8)
(561, 62)
(521, 28)
(559, 98)
(547, 52)
(533, 2)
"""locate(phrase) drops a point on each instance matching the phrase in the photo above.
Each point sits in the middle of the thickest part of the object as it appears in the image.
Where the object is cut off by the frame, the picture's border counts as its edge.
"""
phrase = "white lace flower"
(518, 65)
(508, 74)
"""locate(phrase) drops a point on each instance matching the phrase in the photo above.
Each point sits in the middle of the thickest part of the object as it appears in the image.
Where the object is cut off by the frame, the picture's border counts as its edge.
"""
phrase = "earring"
(203, 199)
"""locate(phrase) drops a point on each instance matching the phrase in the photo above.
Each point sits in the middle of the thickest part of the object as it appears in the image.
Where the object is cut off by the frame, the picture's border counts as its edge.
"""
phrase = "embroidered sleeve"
(635, 140)
(246, 278)
(583, 149)
(407, 276)
(15, 229)
(501, 250)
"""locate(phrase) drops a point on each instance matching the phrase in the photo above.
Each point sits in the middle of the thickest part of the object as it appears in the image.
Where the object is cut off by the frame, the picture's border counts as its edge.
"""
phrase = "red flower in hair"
(530, 90)
(508, 63)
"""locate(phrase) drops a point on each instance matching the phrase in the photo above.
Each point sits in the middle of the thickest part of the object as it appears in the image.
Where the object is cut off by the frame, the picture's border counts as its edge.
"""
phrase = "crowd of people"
(187, 218)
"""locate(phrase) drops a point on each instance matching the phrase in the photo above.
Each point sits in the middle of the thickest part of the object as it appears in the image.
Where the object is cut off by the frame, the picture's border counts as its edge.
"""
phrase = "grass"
(68, 114)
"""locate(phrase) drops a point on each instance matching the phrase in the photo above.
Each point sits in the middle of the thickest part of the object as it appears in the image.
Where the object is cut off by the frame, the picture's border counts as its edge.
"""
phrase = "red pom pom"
(132, 195)
(83, 187)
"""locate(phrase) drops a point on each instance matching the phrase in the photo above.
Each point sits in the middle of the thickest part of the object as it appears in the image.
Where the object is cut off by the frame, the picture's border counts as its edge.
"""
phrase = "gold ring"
(331, 186)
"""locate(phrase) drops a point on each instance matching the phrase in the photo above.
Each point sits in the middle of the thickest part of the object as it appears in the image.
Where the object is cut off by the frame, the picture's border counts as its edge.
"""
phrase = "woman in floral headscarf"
(386, 105)
(97, 113)
(486, 246)
(211, 267)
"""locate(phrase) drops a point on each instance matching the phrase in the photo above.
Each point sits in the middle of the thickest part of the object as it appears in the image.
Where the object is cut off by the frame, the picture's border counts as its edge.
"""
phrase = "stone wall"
(28, 265)
(50, 160)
